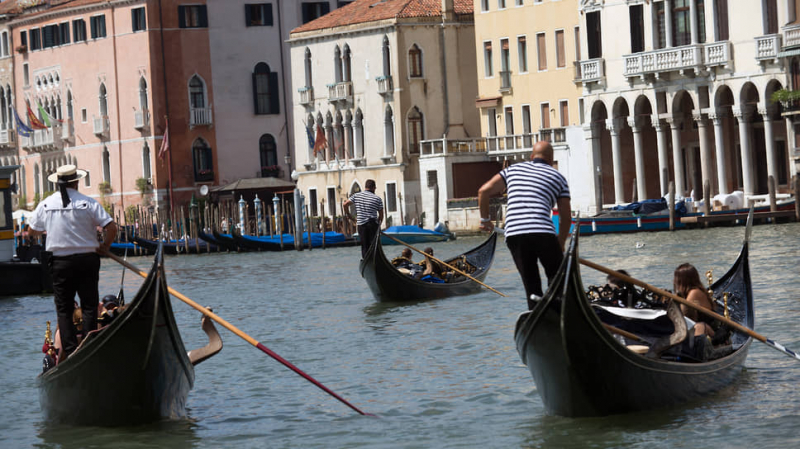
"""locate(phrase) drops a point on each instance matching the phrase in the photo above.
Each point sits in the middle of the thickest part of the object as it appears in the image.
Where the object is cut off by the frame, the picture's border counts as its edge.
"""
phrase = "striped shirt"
(367, 206)
(533, 189)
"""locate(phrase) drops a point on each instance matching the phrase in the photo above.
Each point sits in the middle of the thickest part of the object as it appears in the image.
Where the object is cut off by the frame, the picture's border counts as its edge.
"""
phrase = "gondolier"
(71, 220)
(369, 214)
(533, 189)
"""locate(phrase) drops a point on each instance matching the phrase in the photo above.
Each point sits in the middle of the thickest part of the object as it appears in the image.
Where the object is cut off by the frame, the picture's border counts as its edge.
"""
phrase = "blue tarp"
(409, 229)
(288, 239)
(651, 206)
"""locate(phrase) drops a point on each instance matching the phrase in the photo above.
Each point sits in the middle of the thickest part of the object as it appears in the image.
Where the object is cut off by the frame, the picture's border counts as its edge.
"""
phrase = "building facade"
(252, 79)
(9, 153)
(101, 80)
(685, 96)
(376, 79)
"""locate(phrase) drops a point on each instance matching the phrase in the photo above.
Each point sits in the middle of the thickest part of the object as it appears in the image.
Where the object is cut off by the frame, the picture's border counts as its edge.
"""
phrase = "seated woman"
(687, 284)
(403, 260)
(432, 271)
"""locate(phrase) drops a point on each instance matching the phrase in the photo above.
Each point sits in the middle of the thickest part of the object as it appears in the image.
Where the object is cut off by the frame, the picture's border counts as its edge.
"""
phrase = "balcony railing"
(340, 91)
(7, 137)
(140, 119)
(451, 146)
(100, 124)
(767, 47)
(384, 85)
(687, 57)
(553, 135)
(591, 70)
(717, 53)
(200, 117)
(791, 36)
(517, 144)
(505, 81)
(67, 129)
(204, 176)
(306, 95)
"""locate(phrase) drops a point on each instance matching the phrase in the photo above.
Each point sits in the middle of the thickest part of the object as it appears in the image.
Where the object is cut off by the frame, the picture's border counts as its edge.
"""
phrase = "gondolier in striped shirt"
(71, 220)
(369, 214)
(534, 187)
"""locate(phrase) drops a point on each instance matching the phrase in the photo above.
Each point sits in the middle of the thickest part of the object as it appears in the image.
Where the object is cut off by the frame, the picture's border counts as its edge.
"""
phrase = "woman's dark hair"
(685, 279)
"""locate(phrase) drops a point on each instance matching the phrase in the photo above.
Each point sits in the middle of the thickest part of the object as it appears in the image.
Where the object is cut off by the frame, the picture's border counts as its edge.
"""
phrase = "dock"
(719, 218)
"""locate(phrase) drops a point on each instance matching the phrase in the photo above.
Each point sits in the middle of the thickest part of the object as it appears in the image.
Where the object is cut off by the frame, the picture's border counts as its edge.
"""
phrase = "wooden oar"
(121, 295)
(772, 344)
(443, 263)
(241, 334)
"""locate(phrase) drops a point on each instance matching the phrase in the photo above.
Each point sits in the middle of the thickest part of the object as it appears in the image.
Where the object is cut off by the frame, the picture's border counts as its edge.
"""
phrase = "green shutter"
(274, 95)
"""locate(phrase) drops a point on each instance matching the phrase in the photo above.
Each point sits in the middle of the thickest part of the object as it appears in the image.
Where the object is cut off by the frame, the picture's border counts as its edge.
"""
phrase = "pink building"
(103, 77)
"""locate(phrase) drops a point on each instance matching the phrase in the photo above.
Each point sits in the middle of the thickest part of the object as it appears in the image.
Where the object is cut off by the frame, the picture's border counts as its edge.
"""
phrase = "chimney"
(448, 10)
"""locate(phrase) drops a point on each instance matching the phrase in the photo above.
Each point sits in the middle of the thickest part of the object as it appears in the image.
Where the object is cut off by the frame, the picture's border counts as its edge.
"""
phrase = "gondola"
(195, 246)
(389, 284)
(227, 242)
(266, 243)
(134, 370)
(580, 369)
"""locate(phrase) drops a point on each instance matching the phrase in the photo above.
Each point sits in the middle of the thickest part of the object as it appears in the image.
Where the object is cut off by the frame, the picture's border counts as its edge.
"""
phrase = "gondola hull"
(173, 247)
(134, 370)
(390, 285)
(580, 369)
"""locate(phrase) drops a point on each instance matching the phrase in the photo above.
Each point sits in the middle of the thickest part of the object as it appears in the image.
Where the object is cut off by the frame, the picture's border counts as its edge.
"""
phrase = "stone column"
(358, 138)
(348, 140)
(663, 155)
(677, 156)
(592, 134)
(693, 22)
(641, 184)
(668, 21)
(614, 126)
(747, 157)
(769, 140)
(705, 151)
(722, 160)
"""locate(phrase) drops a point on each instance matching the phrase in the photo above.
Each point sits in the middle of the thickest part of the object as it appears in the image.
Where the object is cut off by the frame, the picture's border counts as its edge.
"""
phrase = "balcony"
(553, 135)
(791, 36)
(204, 175)
(717, 54)
(7, 137)
(67, 129)
(271, 172)
(505, 81)
(140, 119)
(100, 125)
(384, 85)
(440, 147)
(767, 47)
(40, 139)
(590, 70)
(662, 61)
(340, 91)
(200, 117)
(306, 95)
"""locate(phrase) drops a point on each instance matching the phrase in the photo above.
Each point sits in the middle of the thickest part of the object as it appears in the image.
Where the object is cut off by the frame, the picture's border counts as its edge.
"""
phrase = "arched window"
(337, 65)
(308, 68)
(197, 93)
(106, 166)
(70, 111)
(346, 67)
(358, 134)
(268, 154)
(415, 62)
(146, 161)
(3, 112)
(103, 100)
(387, 66)
(203, 162)
(142, 94)
(416, 130)
(10, 106)
(265, 90)
(388, 132)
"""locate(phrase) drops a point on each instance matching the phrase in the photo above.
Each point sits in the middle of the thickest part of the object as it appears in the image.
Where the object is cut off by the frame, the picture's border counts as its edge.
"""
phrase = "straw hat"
(67, 173)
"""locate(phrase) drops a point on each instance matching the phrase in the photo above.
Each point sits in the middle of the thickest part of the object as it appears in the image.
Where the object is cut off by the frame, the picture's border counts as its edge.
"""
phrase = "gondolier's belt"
(74, 256)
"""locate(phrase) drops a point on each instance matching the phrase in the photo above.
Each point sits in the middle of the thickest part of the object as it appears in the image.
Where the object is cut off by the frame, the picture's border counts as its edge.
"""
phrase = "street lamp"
(288, 160)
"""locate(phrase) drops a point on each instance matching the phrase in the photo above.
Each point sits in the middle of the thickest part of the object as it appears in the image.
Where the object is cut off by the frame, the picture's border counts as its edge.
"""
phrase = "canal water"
(439, 374)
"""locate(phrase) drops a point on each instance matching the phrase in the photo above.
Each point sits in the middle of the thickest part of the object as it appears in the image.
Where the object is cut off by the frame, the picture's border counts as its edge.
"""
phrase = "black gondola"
(580, 369)
(389, 284)
(264, 243)
(226, 241)
(195, 246)
(134, 370)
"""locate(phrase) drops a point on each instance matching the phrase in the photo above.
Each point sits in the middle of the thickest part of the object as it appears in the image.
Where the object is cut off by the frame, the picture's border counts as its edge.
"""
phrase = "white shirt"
(71, 229)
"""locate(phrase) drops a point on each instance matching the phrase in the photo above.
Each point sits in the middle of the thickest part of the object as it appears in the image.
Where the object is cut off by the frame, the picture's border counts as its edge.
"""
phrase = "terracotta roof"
(16, 7)
(362, 11)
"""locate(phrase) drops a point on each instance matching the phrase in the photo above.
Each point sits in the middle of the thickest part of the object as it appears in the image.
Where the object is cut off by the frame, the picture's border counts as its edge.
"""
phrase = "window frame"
(488, 63)
(265, 11)
(97, 24)
(79, 32)
(138, 19)
(416, 68)
(391, 200)
(562, 52)
(541, 52)
(522, 53)
(185, 12)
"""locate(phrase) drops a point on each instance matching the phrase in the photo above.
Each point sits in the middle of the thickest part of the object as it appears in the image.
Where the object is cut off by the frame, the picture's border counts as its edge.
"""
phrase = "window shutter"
(255, 93)
(268, 14)
(274, 95)
(203, 17)
(134, 26)
(247, 18)
(93, 27)
(182, 16)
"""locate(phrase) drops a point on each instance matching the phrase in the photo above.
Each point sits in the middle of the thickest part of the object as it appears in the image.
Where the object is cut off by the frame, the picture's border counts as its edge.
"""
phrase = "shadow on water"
(639, 429)
(180, 433)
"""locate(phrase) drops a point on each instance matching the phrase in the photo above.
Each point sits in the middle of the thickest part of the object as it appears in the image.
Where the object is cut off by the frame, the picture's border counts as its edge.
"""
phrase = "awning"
(268, 183)
(487, 102)
(789, 53)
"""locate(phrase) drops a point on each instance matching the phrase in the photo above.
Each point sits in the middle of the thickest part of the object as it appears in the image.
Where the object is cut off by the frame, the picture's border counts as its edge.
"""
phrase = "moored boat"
(580, 369)
(387, 283)
(413, 235)
(182, 246)
(286, 241)
(134, 370)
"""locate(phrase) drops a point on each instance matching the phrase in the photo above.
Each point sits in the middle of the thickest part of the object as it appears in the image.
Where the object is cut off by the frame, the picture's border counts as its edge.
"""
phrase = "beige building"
(680, 90)
(9, 154)
(378, 78)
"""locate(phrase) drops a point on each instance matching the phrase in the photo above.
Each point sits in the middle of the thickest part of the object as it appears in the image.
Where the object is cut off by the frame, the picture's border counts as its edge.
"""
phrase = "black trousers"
(78, 273)
(367, 233)
(530, 249)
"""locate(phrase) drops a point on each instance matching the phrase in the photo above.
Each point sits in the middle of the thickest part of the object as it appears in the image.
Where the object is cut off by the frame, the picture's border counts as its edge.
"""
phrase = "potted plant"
(787, 98)
(270, 171)
(22, 48)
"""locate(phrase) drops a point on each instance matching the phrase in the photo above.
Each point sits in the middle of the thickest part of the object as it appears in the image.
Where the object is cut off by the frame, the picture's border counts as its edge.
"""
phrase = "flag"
(35, 122)
(45, 117)
(22, 129)
(320, 142)
(164, 143)
(310, 137)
